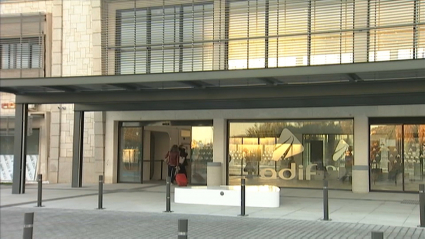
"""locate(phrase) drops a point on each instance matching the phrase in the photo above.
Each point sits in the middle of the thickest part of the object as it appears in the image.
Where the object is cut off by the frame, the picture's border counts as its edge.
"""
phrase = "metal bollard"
(167, 195)
(183, 226)
(100, 201)
(422, 204)
(325, 201)
(242, 198)
(40, 185)
(28, 225)
(377, 235)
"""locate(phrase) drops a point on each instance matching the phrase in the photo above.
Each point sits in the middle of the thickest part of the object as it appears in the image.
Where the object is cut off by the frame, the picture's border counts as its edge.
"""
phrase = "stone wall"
(76, 51)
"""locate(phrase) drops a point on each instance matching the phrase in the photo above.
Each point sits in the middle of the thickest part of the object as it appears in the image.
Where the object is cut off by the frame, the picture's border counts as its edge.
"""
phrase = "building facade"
(280, 92)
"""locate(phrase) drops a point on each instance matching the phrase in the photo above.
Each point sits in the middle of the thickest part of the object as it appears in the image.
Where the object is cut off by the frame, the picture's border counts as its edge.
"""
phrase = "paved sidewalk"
(136, 211)
(59, 223)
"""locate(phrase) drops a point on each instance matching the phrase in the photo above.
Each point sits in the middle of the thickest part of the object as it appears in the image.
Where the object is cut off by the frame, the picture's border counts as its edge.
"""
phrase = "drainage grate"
(409, 202)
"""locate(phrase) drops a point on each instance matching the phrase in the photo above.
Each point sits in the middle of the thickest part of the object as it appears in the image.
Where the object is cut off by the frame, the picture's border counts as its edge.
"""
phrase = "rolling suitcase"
(181, 179)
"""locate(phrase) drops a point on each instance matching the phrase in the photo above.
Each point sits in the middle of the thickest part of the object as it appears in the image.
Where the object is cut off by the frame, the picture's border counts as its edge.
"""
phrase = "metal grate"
(141, 36)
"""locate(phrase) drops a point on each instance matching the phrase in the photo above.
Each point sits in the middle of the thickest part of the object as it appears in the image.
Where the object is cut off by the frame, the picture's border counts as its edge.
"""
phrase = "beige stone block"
(52, 177)
(62, 152)
(88, 153)
(89, 125)
(86, 61)
(98, 166)
(81, 27)
(53, 165)
(69, 116)
(97, 52)
(99, 153)
(98, 138)
(96, 26)
(85, 37)
(99, 128)
(69, 139)
(54, 129)
(57, 22)
(73, 45)
(57, 9)
(65, 125)
(66, 71)
(56, 34)
(95, 3)
(55, 117)
(57, 47)
(56, 70)
(97, 38)
(97, 67)
(66, 145)
(72, 69)
(56, 55)
(83, 44)
(65, 172)
(54, 152)
(69, 153)
(88, 173)
(96, 14)
(63, 137)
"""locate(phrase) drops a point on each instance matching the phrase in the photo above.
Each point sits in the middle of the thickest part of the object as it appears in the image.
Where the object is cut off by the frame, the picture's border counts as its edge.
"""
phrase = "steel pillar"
(77, 150)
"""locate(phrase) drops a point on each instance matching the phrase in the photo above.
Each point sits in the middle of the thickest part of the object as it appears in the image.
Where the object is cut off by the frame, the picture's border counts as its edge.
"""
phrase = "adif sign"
(265, 173)
(287, 146)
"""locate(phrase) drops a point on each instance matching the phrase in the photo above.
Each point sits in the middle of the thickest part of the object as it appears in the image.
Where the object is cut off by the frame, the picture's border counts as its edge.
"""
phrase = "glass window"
(292, 153)
(385, 42)
(247, 34)
(336, 17)
(157, 34)
(16, 55)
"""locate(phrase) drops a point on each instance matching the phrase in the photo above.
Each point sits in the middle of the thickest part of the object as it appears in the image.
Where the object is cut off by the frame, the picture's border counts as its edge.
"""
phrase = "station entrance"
(142, 147)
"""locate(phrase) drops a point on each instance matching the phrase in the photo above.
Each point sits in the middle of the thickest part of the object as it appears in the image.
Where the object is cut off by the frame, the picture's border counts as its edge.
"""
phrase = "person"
(172, 158)
(348, 165)
(395, 168)
(183, 162)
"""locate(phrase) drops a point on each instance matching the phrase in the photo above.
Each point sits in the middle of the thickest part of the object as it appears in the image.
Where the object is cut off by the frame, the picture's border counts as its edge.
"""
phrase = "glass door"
(385, 159)
(130, 154)
(201, 153)
(413, 147)
(396, 156)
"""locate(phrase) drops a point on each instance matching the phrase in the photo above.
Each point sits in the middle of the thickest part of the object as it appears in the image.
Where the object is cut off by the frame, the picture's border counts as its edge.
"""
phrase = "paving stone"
(66, 223)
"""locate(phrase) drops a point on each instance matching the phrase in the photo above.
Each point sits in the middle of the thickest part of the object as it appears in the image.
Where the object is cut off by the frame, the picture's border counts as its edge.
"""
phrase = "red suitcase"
(181, 179)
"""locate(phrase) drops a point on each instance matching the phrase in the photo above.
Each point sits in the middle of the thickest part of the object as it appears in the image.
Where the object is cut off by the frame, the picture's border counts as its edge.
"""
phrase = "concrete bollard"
(28, 225)
(377, 235)
(168, 195)
(100, 198)
(325, 201)
(40, 190)
(422, 205)
(183, 228)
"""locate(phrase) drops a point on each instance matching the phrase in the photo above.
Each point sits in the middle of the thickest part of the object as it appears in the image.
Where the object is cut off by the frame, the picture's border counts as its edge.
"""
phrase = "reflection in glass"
(201, 153)
(130, 155)
(290, 153)
(396, 156)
